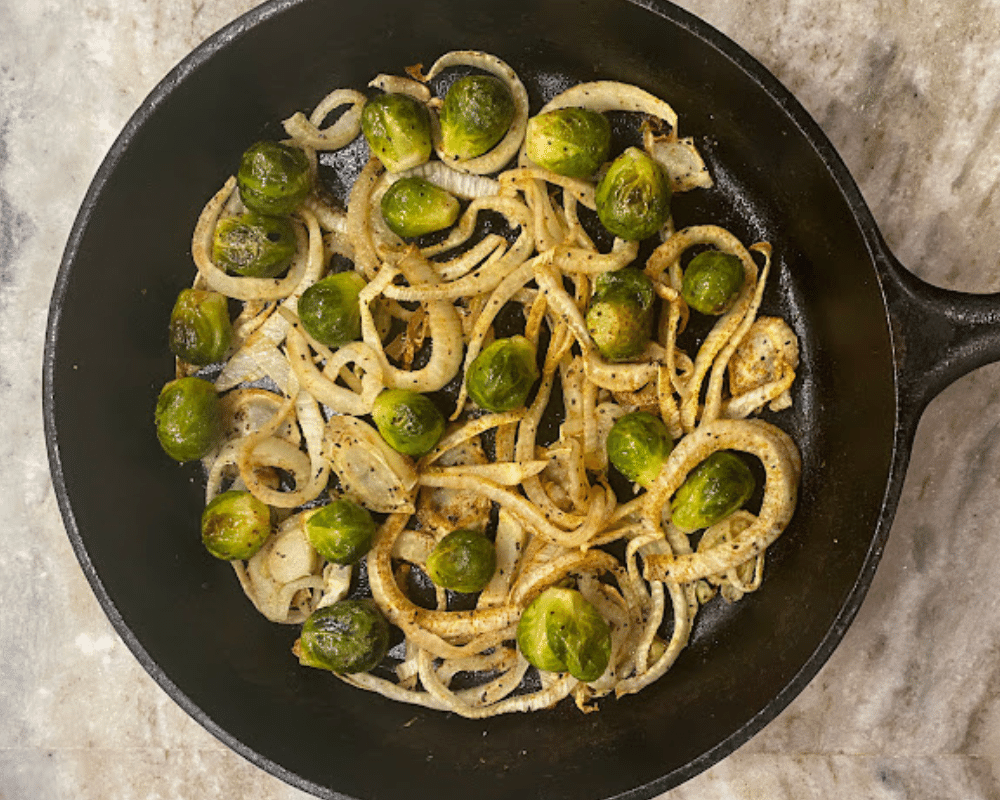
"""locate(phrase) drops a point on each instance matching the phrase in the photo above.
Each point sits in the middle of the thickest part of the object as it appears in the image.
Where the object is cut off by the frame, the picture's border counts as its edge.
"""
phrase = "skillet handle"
(938, 335)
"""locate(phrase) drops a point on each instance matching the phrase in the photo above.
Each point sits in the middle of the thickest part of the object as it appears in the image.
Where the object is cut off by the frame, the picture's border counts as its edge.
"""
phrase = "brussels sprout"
(273, 178)
(200, 330)
(462, 561)
(713, 490)
(397, 128)
(620, 314)
(341, 531)
(562, 632)
(477, 111)
(348, 636)
(638, 446)
(569, 141)
(712, 282)
(254, 245)
(501, 376)
(188, 418)
(408, 421)
(633, 197)
(235, 525)
(414, 206)
(330, 311)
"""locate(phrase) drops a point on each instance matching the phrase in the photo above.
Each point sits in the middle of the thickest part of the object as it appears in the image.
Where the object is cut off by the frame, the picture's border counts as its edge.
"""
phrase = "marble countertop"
(908, 705)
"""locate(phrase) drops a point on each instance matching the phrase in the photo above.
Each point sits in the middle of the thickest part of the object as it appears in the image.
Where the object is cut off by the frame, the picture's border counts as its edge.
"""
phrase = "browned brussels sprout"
(273, 178)
(200, 329)
(188, 418)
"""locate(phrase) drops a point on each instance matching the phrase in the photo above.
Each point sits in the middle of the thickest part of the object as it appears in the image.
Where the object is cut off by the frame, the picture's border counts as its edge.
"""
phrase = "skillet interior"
(132, 516)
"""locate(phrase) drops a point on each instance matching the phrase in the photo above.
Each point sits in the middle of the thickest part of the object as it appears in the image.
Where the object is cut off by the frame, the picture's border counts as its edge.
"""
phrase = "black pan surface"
(132, 515)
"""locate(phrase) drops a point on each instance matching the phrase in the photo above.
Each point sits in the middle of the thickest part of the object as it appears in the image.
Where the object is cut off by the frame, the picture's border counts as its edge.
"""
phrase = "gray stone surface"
(907, 707)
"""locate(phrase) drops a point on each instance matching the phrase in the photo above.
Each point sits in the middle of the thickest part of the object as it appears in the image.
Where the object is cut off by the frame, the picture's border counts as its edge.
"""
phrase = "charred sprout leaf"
(569, 141)
(397, 128)
(562, 632)
(501, 376)
(712, 282)
(633, 197)
(414, 206)
(235, 525)
(408, 421)
(620, 314)
(348, 636)
(341, 531)
(273, 178)
(254, 245)
(476, 114)
(330, 311)
(200, 329)
(188, 418)
(713, 490)
(462, 561)
(638, 446)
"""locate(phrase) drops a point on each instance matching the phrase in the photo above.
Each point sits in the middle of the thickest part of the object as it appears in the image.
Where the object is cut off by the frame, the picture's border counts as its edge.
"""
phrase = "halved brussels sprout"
(476, 114)
(414, 206)
(713, 490)
(501, 376)
(397, 128)
(463, 561)
(330, 311)
(273, 178)
(569, 141)
(562, 632)
(200, 329)
(620, 314)
(254, 245)
(638, 446)
(712, 282)
(341, 531)
(235, 525)
(188, 418)
(633, 197)
(348, 636)
(408, 421)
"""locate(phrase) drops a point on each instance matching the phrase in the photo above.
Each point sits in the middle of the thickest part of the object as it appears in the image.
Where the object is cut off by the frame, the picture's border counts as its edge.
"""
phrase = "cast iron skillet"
(877, 345)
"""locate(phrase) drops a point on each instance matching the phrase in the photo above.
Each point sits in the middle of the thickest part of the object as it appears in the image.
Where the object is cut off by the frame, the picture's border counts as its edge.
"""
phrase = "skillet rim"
(880, 258)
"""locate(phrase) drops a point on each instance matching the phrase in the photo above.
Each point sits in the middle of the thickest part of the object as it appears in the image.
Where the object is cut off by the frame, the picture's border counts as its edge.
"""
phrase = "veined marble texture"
(909, 704)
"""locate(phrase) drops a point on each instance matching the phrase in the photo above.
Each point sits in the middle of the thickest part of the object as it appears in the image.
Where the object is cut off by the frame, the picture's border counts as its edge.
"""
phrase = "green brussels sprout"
(235, 525)
(633, 197)
(330, 311)
(414, 206)
(620, 314)
(562, 632)
(462, 561)
(501, 376)
(476, 114)
(188, 418)
(348, 636)
(341, 531)
(200, 330)
(638, 446)
(569, 141)
(273, 178)
(712, 282)
(397, 128)
(712, 491)
(408, 421)
(254, 245)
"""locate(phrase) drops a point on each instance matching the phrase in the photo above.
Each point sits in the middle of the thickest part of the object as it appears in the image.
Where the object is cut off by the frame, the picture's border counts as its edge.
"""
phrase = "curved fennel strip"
(306, 131)
(758, 438)
(507, 147)
(559, 520)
